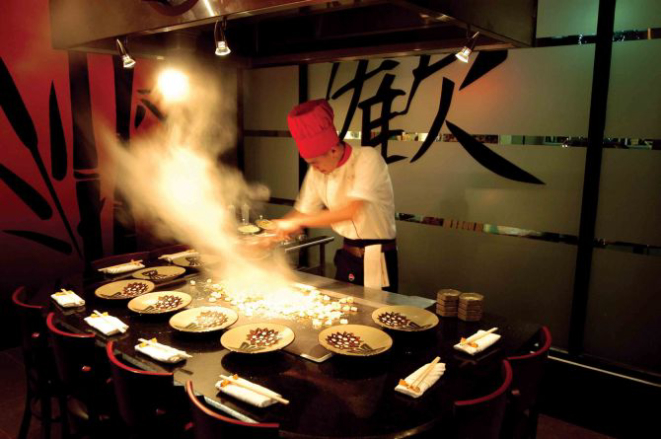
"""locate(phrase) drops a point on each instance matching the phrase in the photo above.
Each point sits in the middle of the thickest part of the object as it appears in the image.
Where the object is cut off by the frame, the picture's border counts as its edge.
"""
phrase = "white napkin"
(482, 343)
(161, 352)
(375, 271)
(426, 383)
(246, 395)
(108, 325)
(68, 299)
(172, 256)
(123, 268)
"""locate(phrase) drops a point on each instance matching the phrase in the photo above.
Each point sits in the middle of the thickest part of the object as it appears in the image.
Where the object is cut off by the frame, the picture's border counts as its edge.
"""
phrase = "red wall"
(35, 70)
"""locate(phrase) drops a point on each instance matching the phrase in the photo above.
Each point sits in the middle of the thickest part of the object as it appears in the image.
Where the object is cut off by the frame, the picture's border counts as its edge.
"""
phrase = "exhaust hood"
(281, 32)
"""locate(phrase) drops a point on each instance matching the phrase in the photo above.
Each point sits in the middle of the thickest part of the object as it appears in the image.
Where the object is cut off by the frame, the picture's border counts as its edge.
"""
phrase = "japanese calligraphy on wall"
(378, 126)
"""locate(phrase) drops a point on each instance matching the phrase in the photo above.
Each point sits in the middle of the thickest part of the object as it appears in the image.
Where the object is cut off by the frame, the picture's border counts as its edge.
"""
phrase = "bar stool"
(119, 259)
(42, 384)
(148, 402)
(84, 380)
(208, 424)
(528, 369)
(482, 418)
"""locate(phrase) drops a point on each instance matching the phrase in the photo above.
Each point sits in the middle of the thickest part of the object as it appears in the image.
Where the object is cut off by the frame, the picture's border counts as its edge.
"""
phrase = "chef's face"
(327, 163)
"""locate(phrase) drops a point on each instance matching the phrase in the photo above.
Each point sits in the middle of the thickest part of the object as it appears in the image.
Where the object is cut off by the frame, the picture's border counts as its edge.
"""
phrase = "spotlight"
(465, 53)
(222, 49)
(127, 60)
(173, 85)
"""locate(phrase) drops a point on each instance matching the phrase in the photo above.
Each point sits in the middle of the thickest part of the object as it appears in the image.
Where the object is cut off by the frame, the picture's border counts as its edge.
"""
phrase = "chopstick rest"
(422, 379)
(106, 324)
(123, 268)
(249, 392)
(478, 342)
(68, 299)
(161, 352)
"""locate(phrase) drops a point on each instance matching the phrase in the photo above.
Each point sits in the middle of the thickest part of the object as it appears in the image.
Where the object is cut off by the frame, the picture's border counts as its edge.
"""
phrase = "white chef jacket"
(365, 177)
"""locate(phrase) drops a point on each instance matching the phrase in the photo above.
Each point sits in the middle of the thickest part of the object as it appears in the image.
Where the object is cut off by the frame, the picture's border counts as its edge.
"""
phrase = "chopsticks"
(112, 323)
(423, 375)
(472, 339)
(234, 380)
(168, 349)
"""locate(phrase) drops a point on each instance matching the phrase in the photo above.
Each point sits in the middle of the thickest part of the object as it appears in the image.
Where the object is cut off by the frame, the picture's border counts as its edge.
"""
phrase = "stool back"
(209, 424)
(482, 418)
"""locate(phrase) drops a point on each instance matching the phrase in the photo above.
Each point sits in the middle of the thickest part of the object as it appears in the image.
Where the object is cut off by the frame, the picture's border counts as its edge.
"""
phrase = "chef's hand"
(286, 227)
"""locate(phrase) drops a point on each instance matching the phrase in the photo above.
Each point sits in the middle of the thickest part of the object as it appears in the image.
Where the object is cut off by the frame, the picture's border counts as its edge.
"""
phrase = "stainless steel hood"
(278, 32)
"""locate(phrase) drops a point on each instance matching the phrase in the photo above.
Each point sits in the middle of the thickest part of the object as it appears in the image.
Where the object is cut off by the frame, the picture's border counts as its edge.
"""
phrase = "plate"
(160, 302)
(195, 260)
(265, 224)
(203, 319)
(355, 340)
(124, 289)
(159, 274)
(404, 318)
(257, 338)
(248, 229)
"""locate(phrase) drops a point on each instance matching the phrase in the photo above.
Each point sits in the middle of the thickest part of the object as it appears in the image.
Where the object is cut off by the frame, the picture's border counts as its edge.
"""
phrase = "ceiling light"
(127, 60)
(222, 48)
(465, 53)
(173, 85)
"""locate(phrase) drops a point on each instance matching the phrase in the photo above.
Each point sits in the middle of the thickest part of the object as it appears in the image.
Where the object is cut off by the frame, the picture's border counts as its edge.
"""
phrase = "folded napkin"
(247, 395)
(106, 324)
(68, 299)
(426, 382)
(172, 256)
(122, 268)
(481, 343)
(161, 352)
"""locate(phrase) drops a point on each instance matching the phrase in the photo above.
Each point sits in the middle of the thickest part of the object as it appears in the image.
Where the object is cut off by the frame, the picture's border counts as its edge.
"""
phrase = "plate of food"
(159, 274)
(248, 229)
(257, 338)
(160, 302)
(196, 261)
(203, 319)
(265, 224)
(404, 318)
(124, 289)
(355, 340)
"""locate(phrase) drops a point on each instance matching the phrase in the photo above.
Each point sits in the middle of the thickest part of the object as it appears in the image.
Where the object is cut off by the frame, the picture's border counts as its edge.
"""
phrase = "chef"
(349, 189)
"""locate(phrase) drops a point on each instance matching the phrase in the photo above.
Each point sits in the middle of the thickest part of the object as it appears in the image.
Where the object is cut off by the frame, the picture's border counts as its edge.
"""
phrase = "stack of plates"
(470, 307)
(447, 303)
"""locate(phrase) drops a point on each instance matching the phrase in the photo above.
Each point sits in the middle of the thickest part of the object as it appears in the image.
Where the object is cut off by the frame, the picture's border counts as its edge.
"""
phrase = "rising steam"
(174, 182)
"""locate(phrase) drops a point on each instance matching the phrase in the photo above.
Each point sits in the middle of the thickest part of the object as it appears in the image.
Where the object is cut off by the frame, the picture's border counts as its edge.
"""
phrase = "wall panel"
(634, 95)
(623, 321)
(273, 162)
(269, 95)
(521, 278)
(448, 183)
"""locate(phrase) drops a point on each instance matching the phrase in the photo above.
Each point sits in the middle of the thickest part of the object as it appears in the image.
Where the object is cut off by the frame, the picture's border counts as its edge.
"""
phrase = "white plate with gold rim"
(196, 261)
(203, 319)
(160, 302)
(404, 318)
(355, 340)
(159, 274)
(257, 338)
(124, 289)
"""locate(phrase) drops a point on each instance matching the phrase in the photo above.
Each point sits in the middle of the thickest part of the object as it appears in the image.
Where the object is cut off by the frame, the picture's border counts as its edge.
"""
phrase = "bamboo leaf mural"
(30, 196)
(14, 107)
(140, 113)
(45, 240)
(58, 147)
